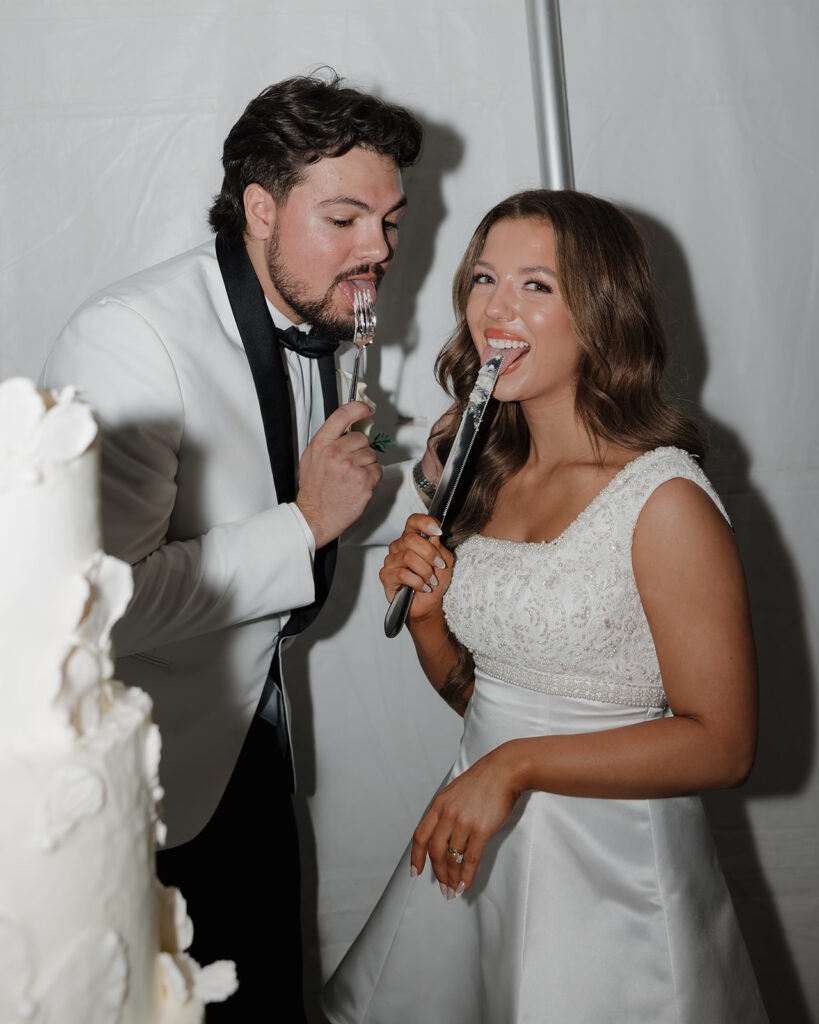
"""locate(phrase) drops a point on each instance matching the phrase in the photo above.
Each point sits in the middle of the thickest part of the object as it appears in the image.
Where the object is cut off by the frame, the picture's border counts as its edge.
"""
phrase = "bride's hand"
(462, 818)
(421, 563)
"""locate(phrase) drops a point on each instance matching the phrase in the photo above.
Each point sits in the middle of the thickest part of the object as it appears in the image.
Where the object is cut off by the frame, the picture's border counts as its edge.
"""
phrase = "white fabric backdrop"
(699, 117)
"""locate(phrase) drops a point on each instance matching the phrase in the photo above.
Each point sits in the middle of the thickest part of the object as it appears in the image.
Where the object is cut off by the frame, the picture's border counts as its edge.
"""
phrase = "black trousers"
(241, 879)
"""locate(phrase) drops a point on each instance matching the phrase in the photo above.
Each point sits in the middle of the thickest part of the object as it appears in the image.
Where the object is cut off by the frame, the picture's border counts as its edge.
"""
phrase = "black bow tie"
(305, 344)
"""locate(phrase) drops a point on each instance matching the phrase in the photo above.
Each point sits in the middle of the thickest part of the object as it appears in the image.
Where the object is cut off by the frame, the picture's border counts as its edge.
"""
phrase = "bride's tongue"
(510, 356)
(352, 285)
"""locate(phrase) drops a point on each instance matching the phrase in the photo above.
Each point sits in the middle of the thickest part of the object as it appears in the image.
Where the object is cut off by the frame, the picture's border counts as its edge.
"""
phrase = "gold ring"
(457, 854)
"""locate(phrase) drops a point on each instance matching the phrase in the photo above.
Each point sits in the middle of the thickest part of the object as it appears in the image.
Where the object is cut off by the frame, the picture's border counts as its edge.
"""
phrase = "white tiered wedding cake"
(87, 934)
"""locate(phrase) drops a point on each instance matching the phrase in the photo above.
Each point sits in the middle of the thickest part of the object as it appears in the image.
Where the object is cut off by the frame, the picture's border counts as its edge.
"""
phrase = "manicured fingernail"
(413, 871)
(450, 893)
(439, 563)
(443, 889)
(427, 589)
(460, 889)
(435, 531)
(433, 580)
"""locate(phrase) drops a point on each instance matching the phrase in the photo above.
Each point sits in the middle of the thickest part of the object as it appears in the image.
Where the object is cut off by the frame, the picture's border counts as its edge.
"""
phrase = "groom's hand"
(337, 474)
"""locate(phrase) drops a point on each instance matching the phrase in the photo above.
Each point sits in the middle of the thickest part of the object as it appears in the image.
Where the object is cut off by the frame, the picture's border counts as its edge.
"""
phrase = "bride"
(586, 611)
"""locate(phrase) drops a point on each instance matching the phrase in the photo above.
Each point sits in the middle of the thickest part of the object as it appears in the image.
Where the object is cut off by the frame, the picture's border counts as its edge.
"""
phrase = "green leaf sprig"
(380, 441)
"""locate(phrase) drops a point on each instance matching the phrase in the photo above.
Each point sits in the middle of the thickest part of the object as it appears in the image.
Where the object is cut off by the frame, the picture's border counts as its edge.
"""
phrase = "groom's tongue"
(349, 287)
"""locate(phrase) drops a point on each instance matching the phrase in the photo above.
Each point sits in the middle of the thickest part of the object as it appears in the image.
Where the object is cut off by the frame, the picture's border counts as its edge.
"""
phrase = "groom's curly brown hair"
(295, 123)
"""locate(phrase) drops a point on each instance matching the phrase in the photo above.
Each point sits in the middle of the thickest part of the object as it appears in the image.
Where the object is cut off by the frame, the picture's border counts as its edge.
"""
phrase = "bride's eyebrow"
(538, 270)
(523, 270)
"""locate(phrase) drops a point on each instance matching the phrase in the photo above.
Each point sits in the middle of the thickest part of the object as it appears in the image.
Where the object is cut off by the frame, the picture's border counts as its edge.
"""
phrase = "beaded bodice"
(564, 616)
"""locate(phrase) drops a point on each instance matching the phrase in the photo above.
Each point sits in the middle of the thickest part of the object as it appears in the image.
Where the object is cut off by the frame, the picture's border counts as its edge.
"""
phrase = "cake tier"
(49, 534)
(87, 935)
(79, 906)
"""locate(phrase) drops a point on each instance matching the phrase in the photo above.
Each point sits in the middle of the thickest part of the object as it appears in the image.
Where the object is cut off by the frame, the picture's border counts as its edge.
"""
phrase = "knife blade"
(450, 476)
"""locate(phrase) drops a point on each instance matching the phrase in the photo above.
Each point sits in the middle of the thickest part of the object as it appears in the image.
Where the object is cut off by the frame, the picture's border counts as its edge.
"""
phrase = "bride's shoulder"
(661, 485)
(678, 502)
(647, 470)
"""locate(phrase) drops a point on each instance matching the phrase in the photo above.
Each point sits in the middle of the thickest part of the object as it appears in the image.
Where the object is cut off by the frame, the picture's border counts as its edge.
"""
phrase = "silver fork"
(364, 313)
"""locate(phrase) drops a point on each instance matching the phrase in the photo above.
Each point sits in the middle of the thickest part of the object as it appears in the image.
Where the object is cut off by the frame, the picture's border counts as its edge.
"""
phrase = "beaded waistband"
(573, 686)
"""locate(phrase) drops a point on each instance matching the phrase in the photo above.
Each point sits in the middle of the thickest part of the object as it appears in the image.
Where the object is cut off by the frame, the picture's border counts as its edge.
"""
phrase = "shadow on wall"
(786, 724)
(397, 324)
(443, 149)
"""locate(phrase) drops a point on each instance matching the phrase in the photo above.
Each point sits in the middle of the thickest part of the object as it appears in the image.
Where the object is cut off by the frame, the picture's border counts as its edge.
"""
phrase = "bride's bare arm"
(692, 587)
(426, 566)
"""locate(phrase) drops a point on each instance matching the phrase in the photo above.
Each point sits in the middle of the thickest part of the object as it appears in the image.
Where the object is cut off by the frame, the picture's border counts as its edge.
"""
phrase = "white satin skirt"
(583, 911)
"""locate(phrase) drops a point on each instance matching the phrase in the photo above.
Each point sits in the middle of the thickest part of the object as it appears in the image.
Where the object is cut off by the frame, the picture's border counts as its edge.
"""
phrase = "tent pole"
(549, 84)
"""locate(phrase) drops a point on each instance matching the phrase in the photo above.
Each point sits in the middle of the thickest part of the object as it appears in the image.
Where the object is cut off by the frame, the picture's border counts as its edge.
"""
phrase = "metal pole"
(549, 83)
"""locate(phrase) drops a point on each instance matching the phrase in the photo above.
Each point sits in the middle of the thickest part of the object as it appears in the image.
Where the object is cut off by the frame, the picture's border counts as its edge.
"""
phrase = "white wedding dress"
(584, 911)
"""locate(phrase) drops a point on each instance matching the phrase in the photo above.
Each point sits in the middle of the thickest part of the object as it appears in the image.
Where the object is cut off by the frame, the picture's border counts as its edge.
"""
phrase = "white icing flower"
(153, 751)
(176, 976)
(175, 927)
(111, 583)
(74, 794)
(99, 596)
(22, 412)
(172, 980)
(68, 429)
(216, 982)
(182, 979)
(37, 430)
(80, 694)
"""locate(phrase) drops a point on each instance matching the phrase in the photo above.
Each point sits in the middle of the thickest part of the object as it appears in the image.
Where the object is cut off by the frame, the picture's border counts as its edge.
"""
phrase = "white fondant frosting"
(84, 935)
(16, 971)
(89, 983)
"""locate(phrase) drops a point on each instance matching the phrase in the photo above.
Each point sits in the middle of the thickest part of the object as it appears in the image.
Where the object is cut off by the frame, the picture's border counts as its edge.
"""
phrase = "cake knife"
(450, 475)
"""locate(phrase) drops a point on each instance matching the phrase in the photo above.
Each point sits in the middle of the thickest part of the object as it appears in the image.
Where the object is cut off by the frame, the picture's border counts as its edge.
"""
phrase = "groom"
(228, 472)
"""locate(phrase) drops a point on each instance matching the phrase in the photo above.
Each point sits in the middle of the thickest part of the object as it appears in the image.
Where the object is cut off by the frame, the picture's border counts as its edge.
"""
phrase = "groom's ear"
(260, 212)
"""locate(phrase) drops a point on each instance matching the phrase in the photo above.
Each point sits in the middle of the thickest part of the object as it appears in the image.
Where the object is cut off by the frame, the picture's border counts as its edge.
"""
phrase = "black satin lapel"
(329, 384)
(325, 560)
(264, 356)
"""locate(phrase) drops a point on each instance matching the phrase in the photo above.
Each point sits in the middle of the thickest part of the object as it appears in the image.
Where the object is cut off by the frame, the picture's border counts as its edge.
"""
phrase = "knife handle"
(402, 599)
(398, 610)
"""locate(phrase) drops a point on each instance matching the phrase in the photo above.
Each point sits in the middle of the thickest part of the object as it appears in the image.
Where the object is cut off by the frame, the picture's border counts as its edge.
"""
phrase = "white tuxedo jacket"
(188, 499)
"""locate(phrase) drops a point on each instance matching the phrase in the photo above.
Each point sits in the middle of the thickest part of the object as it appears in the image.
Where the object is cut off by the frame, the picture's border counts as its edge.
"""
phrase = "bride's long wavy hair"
(607, 288)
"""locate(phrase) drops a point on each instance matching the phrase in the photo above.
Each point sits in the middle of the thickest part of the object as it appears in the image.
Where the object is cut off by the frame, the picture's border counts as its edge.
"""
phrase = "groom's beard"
(326, 320)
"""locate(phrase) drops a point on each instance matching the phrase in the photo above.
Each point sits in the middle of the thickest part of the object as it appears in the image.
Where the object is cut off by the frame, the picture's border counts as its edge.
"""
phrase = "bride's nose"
(501, 305)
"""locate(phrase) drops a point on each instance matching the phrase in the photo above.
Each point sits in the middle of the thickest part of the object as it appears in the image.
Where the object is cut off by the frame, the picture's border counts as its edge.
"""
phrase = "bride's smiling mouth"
(510, 346)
